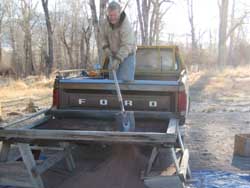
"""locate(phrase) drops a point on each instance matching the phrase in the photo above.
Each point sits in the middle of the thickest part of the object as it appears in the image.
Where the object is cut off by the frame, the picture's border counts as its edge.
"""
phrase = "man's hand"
(115, 63)
(107, 52)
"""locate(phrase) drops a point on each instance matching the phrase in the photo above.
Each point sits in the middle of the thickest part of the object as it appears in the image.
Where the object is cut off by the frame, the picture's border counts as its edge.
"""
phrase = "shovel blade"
(125, 121)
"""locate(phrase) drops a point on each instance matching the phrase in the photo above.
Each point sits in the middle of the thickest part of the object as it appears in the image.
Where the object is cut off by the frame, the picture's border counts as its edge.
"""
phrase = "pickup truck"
(84, 112)
(160, 87)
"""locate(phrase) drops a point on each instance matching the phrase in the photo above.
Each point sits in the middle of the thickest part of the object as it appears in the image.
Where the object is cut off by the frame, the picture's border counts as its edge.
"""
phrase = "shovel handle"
(118, 90)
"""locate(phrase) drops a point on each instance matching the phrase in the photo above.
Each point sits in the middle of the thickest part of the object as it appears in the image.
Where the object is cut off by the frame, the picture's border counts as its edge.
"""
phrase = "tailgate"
(98, 94)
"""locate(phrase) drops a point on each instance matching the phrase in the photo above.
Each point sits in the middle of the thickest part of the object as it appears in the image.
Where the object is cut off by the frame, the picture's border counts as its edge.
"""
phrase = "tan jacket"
(119, 40)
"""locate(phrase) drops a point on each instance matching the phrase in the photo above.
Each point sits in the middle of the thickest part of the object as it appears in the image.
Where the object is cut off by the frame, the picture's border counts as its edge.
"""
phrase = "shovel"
(125, 119)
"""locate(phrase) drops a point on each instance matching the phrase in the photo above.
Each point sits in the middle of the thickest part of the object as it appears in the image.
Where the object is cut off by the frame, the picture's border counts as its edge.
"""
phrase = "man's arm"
(104, 42)
(127, 41)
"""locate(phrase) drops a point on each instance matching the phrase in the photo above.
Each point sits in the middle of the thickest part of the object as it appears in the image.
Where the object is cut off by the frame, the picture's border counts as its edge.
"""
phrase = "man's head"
(114, 10)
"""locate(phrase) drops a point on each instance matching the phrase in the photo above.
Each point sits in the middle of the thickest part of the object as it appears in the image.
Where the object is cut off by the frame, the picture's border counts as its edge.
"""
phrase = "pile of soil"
(121, 170)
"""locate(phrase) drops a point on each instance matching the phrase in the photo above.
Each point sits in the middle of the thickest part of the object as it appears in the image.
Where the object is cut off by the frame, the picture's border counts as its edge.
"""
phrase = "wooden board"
(14, 174)
(101, 136)
(184, 165)
(242, 145)
(163, 182)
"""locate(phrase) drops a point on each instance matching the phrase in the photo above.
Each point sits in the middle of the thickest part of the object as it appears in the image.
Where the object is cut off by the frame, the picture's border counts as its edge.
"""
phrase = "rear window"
(158, 60)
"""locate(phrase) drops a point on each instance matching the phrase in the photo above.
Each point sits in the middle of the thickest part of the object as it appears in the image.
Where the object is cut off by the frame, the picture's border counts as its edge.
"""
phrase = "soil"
(220, 109)
(122, 170)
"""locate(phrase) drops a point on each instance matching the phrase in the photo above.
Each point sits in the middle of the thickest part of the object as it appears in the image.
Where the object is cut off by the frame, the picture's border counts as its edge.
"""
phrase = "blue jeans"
(126, 70)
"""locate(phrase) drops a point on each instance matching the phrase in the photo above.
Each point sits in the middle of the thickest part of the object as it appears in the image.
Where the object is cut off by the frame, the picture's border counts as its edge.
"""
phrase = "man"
(118, 42)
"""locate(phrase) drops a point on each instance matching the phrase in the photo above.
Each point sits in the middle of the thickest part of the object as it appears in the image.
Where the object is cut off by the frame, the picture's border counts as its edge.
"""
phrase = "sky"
(206, 17)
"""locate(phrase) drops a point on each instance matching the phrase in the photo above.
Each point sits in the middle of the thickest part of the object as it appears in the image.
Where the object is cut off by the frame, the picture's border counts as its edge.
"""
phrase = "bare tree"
(191, 22)
(49, 60)
(222, 50)
(150, 17)
(85, 45)
(97, 22)
(143, 8)
(2, 14)
(67, 45)
(12, 29)
(27, 24)
(86, 33)
(157, 18)
(225, 33)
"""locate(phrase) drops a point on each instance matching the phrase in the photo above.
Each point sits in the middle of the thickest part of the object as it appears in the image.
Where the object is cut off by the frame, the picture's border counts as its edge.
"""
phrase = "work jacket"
(119, 39)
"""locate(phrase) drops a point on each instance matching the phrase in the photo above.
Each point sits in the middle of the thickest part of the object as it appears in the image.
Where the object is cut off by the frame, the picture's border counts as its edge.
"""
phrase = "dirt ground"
(220, 109)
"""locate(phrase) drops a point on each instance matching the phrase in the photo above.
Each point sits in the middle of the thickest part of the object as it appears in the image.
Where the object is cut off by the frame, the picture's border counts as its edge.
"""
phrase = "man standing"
(118, 42)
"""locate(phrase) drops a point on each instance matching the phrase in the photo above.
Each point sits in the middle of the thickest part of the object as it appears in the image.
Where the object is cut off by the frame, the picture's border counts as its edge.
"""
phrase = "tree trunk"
(194, 52)
(29, 66)
(141, 22)
(143, 8)
(68, 49)
(82, 51)
(191, 21)
(27, 12)
(14, 55)
(222, 49)
(49, 64)
(97, 23)
(2, 13)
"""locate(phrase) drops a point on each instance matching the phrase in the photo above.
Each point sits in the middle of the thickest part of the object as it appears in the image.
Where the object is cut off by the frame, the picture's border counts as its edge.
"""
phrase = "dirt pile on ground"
(122, 170)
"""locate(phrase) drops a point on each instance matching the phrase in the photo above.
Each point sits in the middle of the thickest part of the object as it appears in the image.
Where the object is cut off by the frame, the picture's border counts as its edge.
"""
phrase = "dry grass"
(231, 82)
(241, 71)
(32, 87)
(195, 76)
(231, 79)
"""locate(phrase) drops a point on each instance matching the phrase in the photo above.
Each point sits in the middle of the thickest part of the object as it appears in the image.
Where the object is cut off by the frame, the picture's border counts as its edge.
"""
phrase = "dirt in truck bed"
(122, 169)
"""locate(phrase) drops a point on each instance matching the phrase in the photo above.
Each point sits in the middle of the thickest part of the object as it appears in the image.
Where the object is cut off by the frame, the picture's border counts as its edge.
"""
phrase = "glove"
(115, 64)
(107, 52)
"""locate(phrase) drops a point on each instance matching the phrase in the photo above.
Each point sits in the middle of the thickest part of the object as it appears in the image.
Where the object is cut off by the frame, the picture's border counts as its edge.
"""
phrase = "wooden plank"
(176, 162)
(103, 136)
(17, 181)
(154, 153)
(36, 123)
(184, 165)
(30, 164)
(242, 145)
(8, 125)
(68, 156)
(46, 148)
(48, 163)
(172, 126)
(12, 168)
(14, 174)
(163, 182)
(4, 151)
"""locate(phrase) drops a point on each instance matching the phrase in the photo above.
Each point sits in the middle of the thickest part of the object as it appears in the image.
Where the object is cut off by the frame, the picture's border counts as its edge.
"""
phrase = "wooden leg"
(4, 151)
(30, 164)
(154, 154)
(175, 160)
(68, 156)
(189, 174)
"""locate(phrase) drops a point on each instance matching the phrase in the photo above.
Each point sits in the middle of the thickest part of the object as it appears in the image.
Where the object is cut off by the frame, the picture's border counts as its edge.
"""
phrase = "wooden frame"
(30, 170)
